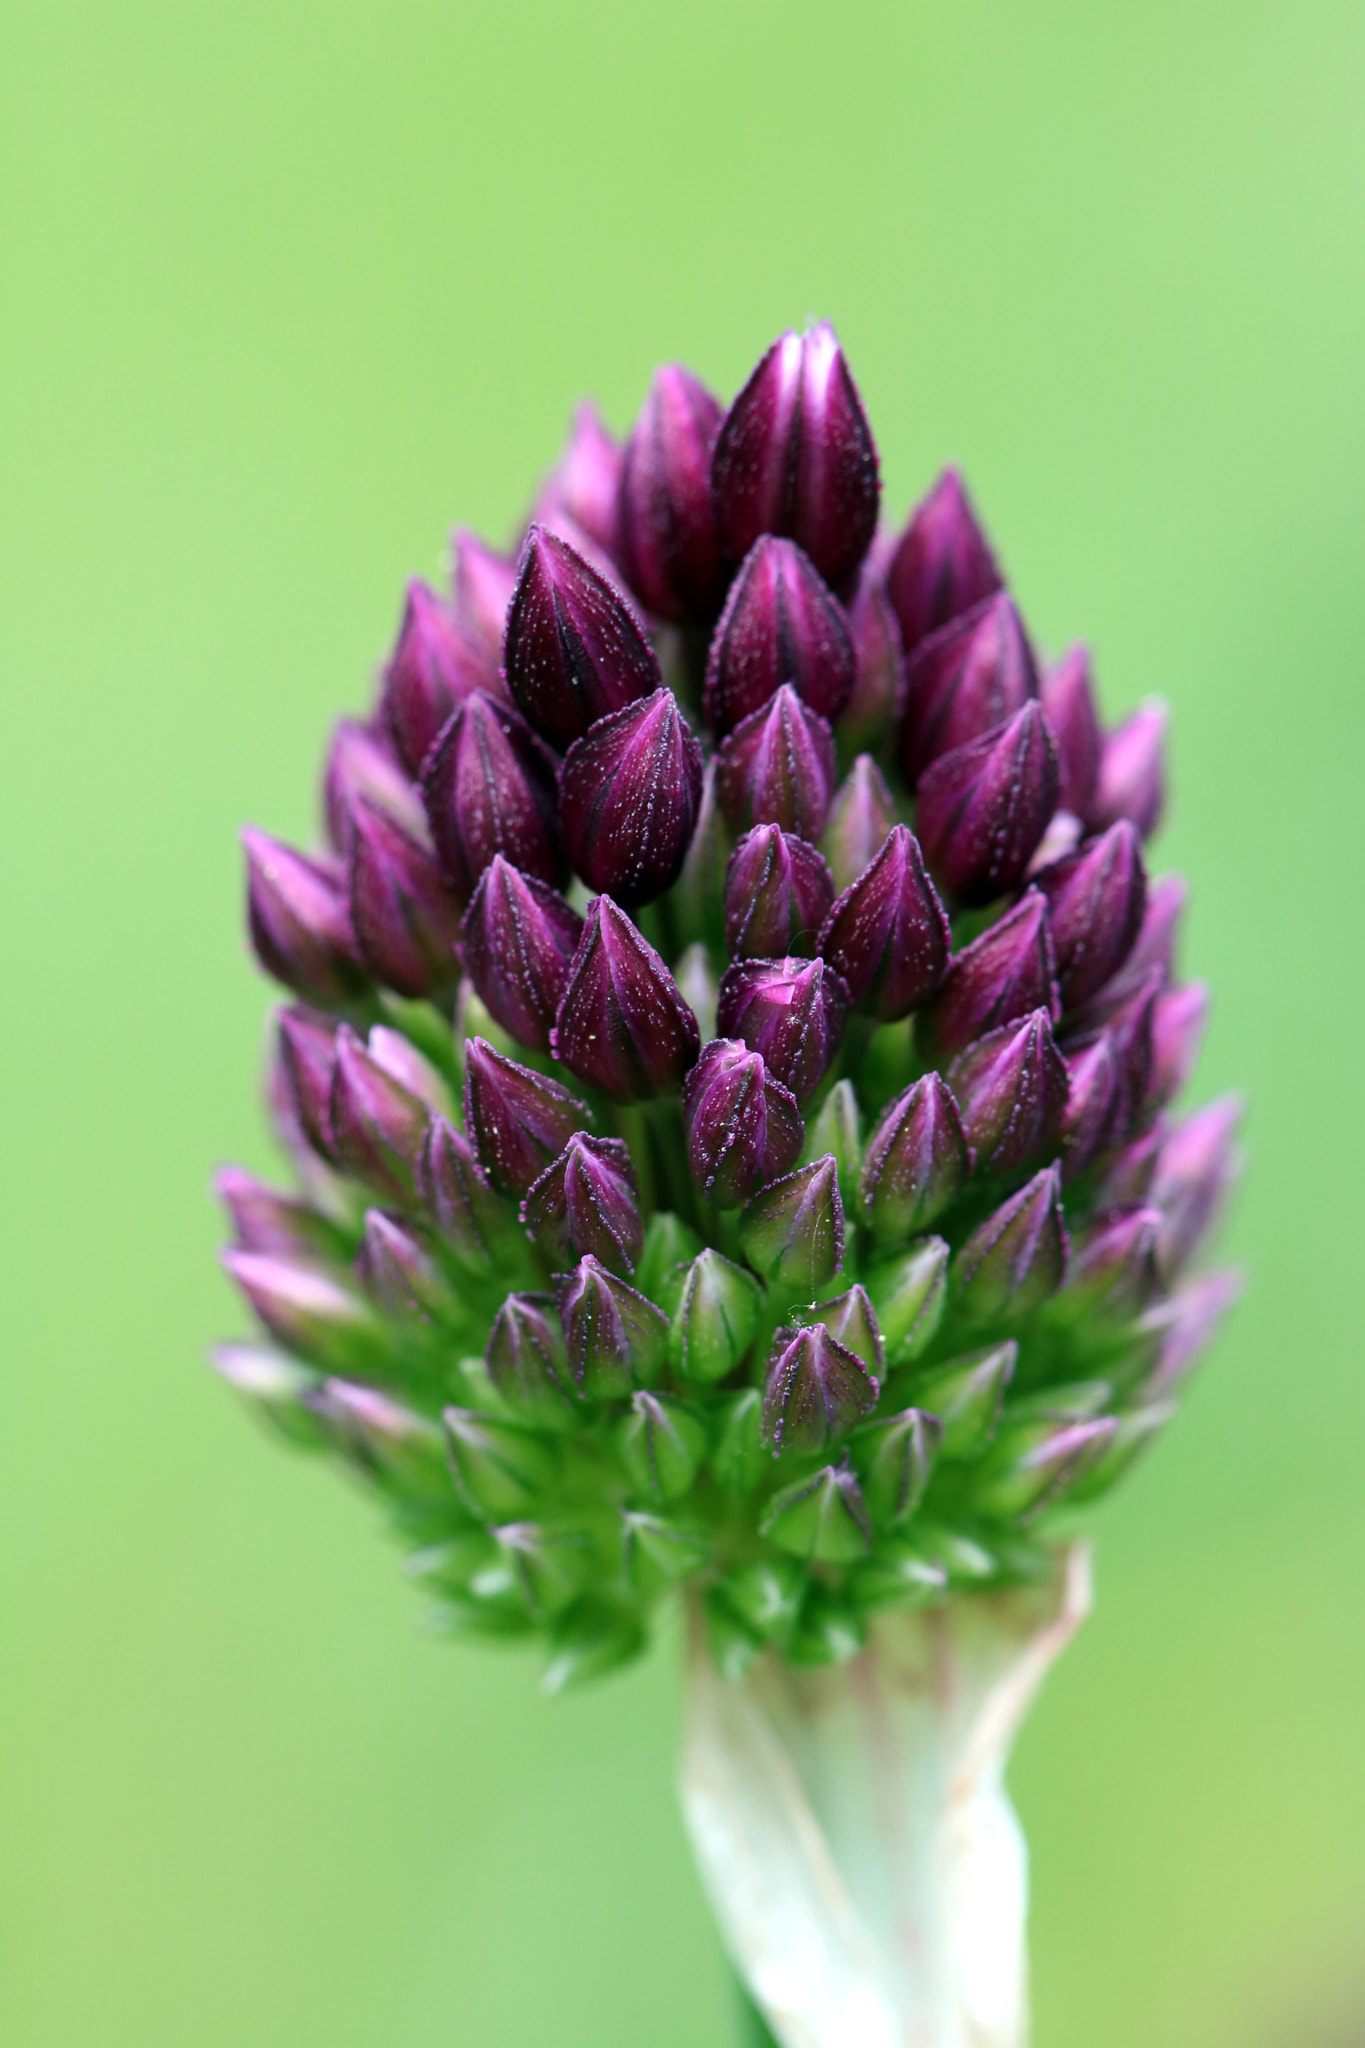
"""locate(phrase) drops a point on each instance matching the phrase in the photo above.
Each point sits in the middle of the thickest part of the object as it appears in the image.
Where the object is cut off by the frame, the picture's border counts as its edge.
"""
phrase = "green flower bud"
(662, 1445)
(898, 1574)
(741, 1458)
(658, 1552)
(669, 1245)
(893, 1461)
(966, 1395)
(838, 1130)
(964, 1560)
(830, 1629)
(1032, 1463)
(822, 1517)
(733, 1644)
(1132, 1436)
(500, 1470)
(715, 1318)
(793, 1230)
(908, 1295)
(853, 1320)
(594, 1637)
(552, 1568)
(766, 1594)
(275, 1387)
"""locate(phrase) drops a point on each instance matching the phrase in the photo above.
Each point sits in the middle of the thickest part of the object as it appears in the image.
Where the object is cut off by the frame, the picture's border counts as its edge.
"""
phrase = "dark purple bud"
(942, 564)
(1012, 1088)
(1017, 1257)
(585, 484)
(879, 666)
(574, 649)
(815, 1390)
(983, 808)
(484, 581)
(395, 1269)
(458, 1196)
(308, 1052)
(1096, 898)
(861, 819)
(526, 1359)
(1197, 1165)
(1094, 1092)
(777, 767)
(361, 764)
(630, 795)
(1008, 972)
(1178, 1024)
(1113, 1271)
(1126, 1181)
(888, 934)
(916, 1164)
(964, 681)
(1153, 951)
(266, 1219)
(793, 1229)
(1129, 1029)
(853, 1320)
(378, 1125)
(586, 1201)
(791, 1011)
(519, 1120)
(1132, 777)
(795, 456)
(517, 939)
(1069, 708)
(778, 892)
(300, 921)
(309, 1311)
(667, 534)
(781, 624)
(405, 919)
(622, 1023)
(743, 1126)
(431, 671)
(614, 1337)
(489, 787)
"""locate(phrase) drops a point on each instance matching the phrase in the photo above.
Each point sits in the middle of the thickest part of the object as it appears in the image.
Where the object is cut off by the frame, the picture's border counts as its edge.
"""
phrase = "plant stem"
(753, 2028)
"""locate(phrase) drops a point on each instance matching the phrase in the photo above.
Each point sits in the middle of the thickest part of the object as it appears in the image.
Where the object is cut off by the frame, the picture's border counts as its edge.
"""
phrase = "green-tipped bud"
(741, 1458)
(552, 1566)
(829, 1629)
(658, 1552)
(614, 1338)
(1018, 1257)
(893, 1460)
(916, 1164)
(766, 1594)
(823, 1518)
(670, 1245)
(501, 1471)
(838, 1131)
(963, 1560)
(526, 1362)
(309, 1311)
(967, 1395)
(715, 1319)
(383, 1440)
(732, 1643)
(274, 1386)
(1133, 1434)
(793, 1230)
(595, 1636)
(662, 1445)
(853, 1320)
(1034, 1462)
(908, 1295)
(898, 1574)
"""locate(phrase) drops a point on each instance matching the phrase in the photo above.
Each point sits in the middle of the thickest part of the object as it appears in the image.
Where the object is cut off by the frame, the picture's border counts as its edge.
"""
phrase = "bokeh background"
(287, 287)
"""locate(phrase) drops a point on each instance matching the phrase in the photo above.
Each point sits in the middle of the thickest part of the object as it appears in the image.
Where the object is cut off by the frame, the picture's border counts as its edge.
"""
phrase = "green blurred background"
(286, 289)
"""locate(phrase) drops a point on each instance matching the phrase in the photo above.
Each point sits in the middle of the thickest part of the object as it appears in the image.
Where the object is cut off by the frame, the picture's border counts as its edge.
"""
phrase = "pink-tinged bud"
(489, 787)
(778, 892)
(614, 1337)
(781, 624)
(484, 581)
(743, 1126)
(519, 1120)
(964, 681)
(574, 649)
(1186, 1324)
(1129, 1029)
(791, 1011)
(395, 1270)
(1126, 1181)
(983, 808)
(1113, 1271)
(458, 1196)
(266, 1219)
(793, 1230)
(300, 921)
(622, 1023)
(1012, 1089)
(362, 764)
(630, 795)
(1197, 1165)
(815, 1390)
(942, 564)
(405, 920)
(307, 1310)
(1132, 777)
(378, 1125)
(586, 1201)
(1069, 708)
(395, 1052)
(1008, 972)
(916, 1164)
(585, 484)
(429, 674)
(1094, 1094)
(667, 534)
(796, 456)
(307, 1062)
(1017, 1258)
(888, 934)
(1096, 899)
(1179, 1021)
(526, 1359)
(861, 819)
(879, 666)
(853, 1320)
(517, 939)
(1153, 951)
(777, 768)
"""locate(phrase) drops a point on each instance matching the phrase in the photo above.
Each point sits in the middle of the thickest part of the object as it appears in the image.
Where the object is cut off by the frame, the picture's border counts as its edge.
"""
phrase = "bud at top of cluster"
(630, 794)
(743, 1126)
(791, 1011)
(982, 808)
(965, 680)
(574, 649)
(488, 787)
(622, 1023)
(1132, 775)
(431, 671)
(1069, 708)
(667, 534)
(584, 486)
(942, 564)
(778, 892)
(781, 624)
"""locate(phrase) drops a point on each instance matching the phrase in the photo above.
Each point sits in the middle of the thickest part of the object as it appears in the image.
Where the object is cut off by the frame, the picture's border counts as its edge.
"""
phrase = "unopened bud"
(519, 1120)
(489, 788)
(1096, 898)
(405, 920)
(585, 484)
(715, 1319)
(397, 1270)
(965, 680)
(1132, 777)
(483, 582)
(1007, 973)
(853, 1320)
(1179, 1020)
(815, 1390)
(982, 809)
(860, 821)
(517, 939)
(1197, 1165)
(658, 1552)
(777, 768)
(1069, 708)
(586, 1201)
(823, 1518)
(743, 1127)
(307, 1063)
(1092, 1092)
(574, 649)
(1011, 1087)
(500, 1470)
(383, 1440)
(431, 671)
(778, 892)
(307, 1310)
(1113, 1272)
(942, 565)
(741, 1459)
(894, 1459)
(793, 1230)
(267, 1219)
(916, 1164)
(661, 1445)
(300, 921)
(378, 1125)
(622, 1022)
(361, 764)
(667, 533)
(471, 1219)
(781, 624)
(908, 1294)
(879, 666)
(791, 1011)
(838, 1129)
(526, 1361)
(275, 1387)
(887, 935)
(630, 795)
(765, 1594)
(1129, 1029)
(1036, 1462)
(1017, 1257)
(967, 1395)
(670, 1246)
(614, 1337)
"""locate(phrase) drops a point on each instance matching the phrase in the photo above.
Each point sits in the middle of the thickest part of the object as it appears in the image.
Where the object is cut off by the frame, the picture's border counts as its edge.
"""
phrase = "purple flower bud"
(916, 1164)
(777, 767)
(1069, 708)
(1096, 898)
(791, 1011)
(1008, 972)
(484, 581)
(1113, 1272)
(1012, 1089)
(793, 1229)
(824, 1517)
(585, 484)
(488, 787)
(983, 808)
(879, 665)
(1153, 952)
(1132, 777)
(1187, 1323)
(307, 1058)
(1129, 1029)
(519, 1120)
(361, 764)
(815, 1390)
(1197, 1165)
(458, 1196)
(853, 1320)
(431, 671)
(396, 1271)
(300, 921)
(395, 1052)
(1017, 1257)
(309, 1311)
(778, 891)
(1094, 1090)
(622, 1022)
(743, 1126)
(630, 794)
(574, 649)
(780, 625)
(266, 1219)
(1126, 1182)
(1179, 1020)
(615, 1338)
(860, 821)
(964, 681)
(405, 920)
(888, 934)
(526, 1359)
(1038, 1461)
(586, 1201)
(378, 1125)
(516, 941)
(667, 531)
(795, 456)
(942, 564)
